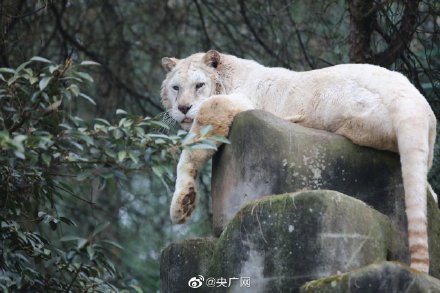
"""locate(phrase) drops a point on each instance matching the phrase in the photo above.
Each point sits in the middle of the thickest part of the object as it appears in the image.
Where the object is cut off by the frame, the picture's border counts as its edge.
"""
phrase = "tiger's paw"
(183, 203)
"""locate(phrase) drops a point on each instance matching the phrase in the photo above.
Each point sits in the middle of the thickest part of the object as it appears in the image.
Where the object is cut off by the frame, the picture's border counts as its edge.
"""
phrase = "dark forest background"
(87, 158)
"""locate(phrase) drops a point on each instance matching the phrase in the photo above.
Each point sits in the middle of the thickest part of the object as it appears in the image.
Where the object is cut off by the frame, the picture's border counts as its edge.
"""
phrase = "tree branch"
(257, 37)
(207, 45)
(100, 60)
(362, 19)
(402, 35)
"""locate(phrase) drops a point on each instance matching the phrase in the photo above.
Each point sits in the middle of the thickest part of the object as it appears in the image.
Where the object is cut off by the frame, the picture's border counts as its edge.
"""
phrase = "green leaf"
(65, 126)
(84, 75)
(70, 238)
(89, 62)
(122, 155)
(46, 97)
(19, 155)
(203, 146)
(87, 139)
(134, 156)
(117, 133)
(160, 124)
(40, 59)
(44, 82)
(13, 79)
(7, 70)
(91, 252)
(205, 130)
(221, 139)
(77, 145)
(122, 121)
(52, 68)
(86, 97)
(19, 138)
(81, 243)
(189, 138)
(103, 121)
(139, 131)
(109, 152)
(181, 132)
(112, 243)
(83, 176)
(158, 171)
(33, 80)
(121, 112)
(34, 96)
(46, 159)
(22, 66)
(74, 89)
(100, 228)
(159, 136)
(67, 221)
(137, 288)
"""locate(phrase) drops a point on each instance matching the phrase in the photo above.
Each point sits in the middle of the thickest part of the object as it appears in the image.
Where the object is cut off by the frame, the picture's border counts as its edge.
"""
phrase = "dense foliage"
(45, 152)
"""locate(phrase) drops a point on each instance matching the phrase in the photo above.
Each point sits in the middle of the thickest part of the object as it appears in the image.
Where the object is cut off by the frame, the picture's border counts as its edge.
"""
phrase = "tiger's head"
(188, 83)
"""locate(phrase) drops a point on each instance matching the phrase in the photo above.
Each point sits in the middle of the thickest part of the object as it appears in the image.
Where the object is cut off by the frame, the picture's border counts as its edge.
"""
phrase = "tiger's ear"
(212, 58)
(169, 63)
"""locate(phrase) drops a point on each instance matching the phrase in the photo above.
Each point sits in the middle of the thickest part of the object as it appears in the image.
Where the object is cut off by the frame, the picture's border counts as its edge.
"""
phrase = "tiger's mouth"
(187, 120)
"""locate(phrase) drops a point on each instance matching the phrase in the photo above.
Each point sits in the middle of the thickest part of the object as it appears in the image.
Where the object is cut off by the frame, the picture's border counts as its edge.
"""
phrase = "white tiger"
(369, 105)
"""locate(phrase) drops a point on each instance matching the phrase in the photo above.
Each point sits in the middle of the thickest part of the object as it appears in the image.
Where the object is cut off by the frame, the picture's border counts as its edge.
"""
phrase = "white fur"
(370, 105)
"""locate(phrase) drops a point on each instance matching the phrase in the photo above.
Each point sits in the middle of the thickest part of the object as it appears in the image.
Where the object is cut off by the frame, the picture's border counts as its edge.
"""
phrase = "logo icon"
(196, 282)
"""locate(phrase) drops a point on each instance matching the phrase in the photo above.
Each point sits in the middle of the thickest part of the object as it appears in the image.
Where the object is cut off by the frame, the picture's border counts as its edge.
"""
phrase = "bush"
(45, 151)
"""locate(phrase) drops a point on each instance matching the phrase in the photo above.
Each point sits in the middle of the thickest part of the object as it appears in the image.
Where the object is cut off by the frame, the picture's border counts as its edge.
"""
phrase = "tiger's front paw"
(183, 203)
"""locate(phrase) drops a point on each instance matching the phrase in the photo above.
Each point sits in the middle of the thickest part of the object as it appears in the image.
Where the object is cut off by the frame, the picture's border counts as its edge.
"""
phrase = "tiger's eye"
(199, 85)
(176, 88)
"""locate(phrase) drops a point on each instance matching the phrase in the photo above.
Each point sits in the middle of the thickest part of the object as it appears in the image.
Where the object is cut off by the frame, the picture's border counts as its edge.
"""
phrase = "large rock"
(387, 277)
(269, 155)
(180, 261)
(280, 242)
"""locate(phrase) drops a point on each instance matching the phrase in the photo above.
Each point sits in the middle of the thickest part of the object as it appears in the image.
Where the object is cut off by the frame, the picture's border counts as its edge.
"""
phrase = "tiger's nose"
(184, 108)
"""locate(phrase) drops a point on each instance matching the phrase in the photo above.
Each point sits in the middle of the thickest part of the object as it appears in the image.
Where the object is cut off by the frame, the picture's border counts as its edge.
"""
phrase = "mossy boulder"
(386, 277)
(282, 241)
(269, 155)
(180, 261)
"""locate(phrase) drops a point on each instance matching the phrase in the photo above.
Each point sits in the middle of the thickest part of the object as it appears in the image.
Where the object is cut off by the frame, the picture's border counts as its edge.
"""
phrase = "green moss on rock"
(282, 241)
(269, 155)
(383, 277)
(434, 237)
(180, 261)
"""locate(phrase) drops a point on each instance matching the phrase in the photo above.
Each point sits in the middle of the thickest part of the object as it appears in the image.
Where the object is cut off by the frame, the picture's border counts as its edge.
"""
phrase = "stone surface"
(180, 261)
(282, 241)
(386, 277)
(269, 155)
(434, 237)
